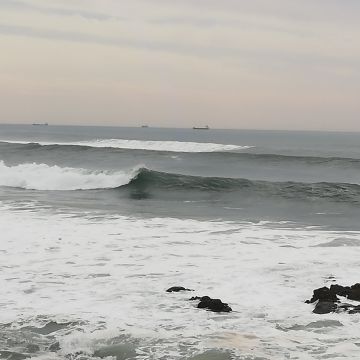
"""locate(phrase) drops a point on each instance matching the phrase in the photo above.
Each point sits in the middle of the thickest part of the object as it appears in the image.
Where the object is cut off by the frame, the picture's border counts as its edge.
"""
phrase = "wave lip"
(155, 145)
(33, 176)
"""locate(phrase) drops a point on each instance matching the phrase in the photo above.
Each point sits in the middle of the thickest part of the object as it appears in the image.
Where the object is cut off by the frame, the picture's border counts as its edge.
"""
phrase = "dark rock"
(325, 307)
(177, 289)
(54, 347)
(329, 302)
(323, 294)
(354, 292)
(345, 306)
(215, 305)
(32, 348)
(340, 290)
(355, 310)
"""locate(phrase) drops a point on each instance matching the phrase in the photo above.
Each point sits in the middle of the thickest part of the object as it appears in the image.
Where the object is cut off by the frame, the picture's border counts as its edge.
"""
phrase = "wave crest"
(33, 176)
(141, 180)
(169, 146)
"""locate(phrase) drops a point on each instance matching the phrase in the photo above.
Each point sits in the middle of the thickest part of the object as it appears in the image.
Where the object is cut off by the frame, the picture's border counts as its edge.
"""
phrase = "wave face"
(34, 176)
(44, 177)
(149, 179)
(171, 146)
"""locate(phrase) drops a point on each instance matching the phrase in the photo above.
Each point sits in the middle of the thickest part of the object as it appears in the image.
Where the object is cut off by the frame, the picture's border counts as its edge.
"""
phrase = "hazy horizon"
(250, 65)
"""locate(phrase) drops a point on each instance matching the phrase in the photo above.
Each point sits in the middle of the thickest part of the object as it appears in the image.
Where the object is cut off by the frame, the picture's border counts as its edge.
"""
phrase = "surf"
(153, 145)
(33, 176)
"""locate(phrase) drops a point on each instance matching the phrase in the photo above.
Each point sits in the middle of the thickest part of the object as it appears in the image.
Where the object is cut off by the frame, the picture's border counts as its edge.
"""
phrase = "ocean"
(97, 222)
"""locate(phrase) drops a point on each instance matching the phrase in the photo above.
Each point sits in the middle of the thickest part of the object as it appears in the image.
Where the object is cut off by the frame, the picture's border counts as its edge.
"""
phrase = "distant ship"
(144, 126)
(201, 127)
(38, 124)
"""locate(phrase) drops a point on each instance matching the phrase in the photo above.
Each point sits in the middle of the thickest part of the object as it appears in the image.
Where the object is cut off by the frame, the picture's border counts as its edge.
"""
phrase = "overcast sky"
(260, 64)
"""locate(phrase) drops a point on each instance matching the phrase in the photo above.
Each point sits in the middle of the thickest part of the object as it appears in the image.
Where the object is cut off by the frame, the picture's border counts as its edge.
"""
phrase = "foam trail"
(173, 146)
(44, 177)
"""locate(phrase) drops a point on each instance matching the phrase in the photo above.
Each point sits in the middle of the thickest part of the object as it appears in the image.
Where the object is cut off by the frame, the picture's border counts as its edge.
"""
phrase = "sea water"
(97, 222)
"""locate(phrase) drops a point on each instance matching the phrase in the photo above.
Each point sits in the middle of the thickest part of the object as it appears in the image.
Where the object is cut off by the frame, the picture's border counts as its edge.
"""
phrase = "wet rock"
(323, 294)
(325, 307)
(215, 305)
(355, 310)
(54, 347)
(177, 289)
(32, 348)
(354, 292)
(340, 290)
(119, 351)
(327, 300)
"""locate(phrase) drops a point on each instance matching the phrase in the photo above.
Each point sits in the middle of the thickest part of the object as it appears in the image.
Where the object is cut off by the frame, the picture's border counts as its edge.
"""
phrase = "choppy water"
(96, 223)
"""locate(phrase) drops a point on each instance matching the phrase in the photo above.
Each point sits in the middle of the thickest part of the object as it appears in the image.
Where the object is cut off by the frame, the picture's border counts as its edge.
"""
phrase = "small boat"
(144, 126)
(201, 127)
(38, 124)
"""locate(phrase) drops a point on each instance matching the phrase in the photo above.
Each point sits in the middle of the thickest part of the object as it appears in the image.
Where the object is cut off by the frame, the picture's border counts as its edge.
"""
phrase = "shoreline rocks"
(328, 301)
(177, 289)
(205, 302)
(215, 305)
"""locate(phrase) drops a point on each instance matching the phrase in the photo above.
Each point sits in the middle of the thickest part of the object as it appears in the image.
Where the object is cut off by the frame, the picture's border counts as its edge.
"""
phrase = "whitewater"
(93, 232)
(43, 177)
(172, 146)
(109, 276)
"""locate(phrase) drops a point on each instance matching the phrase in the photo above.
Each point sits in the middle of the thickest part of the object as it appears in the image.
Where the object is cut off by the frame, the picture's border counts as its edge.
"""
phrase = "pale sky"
(256, 64)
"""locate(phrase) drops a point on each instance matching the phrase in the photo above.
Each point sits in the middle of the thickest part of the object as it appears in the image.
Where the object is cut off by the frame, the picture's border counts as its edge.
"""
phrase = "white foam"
(44, 177)
(48, 263)
(172, 146)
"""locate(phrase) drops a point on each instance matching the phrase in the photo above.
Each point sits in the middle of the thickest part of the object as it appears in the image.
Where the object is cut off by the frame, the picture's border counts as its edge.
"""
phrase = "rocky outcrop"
(177, 289)
(205, 302)
(215, 305)
(328, 301)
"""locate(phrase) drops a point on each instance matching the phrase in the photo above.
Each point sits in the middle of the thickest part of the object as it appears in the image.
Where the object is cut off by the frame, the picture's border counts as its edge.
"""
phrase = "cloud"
(89, 15)
(280, 59)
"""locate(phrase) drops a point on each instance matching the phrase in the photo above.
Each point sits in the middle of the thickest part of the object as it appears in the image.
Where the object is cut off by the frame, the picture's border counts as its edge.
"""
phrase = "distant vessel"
(144, 126)
(38, 124)
(201, 127)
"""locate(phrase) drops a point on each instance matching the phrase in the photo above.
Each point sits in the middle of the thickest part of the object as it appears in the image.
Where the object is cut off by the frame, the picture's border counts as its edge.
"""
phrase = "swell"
(246, 156)
(148, 180)
(149, 145)
(33, 176)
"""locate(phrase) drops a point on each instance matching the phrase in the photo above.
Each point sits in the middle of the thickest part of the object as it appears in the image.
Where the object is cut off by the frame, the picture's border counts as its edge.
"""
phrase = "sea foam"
(34, 176)
(268, 273)
(171, 146)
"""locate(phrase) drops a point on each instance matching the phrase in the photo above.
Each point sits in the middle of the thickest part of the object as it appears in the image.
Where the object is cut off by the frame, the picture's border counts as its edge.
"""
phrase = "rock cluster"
(205, 302)
(215, 305)
(177, 289)
(328, 301)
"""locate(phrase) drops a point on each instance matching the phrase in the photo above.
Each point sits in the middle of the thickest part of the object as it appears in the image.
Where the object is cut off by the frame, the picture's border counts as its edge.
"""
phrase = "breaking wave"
(172, 146)
(34, 176)
(149, 179)
(44, 177)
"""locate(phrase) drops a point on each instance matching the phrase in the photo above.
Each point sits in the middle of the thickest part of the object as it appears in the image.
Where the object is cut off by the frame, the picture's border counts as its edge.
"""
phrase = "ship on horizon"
(206, 127)
(40, 124)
